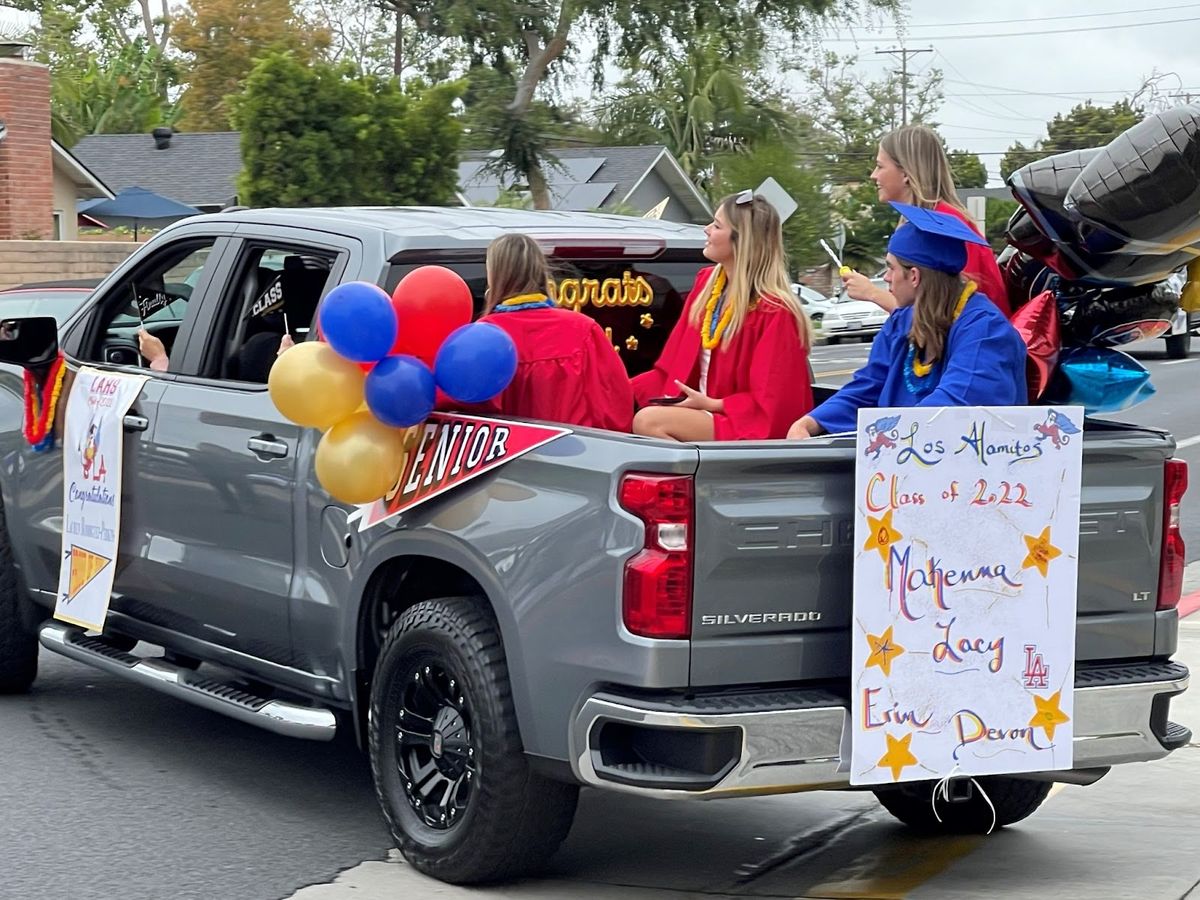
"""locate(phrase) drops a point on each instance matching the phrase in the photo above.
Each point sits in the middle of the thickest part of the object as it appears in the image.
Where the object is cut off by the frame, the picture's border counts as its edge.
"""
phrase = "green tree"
(998, 214)
(531, 41)
(853, 114)
(705, 103)
(1083, 126)
(222, 39)
(969, 170)
(810, 222)
(121, 95)
(322, 135)
(110, 65)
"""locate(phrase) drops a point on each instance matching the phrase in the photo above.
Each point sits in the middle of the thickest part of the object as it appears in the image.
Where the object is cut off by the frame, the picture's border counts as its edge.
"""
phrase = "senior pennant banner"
(966, 555)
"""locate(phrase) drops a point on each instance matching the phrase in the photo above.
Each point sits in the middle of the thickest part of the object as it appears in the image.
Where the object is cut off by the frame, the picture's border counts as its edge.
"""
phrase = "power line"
(1023, 34)
(1122, 12)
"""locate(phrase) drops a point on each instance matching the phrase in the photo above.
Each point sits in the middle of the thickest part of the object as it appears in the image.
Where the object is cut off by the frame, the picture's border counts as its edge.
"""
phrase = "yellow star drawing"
(883, 535)
(1048, 715)
(898, 755)
(883, 651)
(1041, 551)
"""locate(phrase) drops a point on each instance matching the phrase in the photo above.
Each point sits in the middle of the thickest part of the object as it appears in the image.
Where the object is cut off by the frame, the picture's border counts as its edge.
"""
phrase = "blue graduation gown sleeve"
(840, 412)
(985, 363)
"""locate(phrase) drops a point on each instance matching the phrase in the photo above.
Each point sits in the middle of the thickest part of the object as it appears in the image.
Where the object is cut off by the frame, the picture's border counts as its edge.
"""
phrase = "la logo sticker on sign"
(451, 450)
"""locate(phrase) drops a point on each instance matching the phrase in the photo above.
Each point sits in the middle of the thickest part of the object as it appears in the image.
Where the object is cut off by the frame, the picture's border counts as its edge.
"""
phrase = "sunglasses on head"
(744, 197)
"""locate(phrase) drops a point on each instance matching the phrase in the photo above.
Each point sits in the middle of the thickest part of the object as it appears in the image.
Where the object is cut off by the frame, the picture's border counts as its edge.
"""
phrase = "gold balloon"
(313, 386)
(359, 459)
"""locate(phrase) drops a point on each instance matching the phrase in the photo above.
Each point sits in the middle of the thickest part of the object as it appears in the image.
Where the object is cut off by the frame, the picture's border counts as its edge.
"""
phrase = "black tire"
(442, 668)
(833, 339)
(1014, 799)
(18, 637)
(1179, 345)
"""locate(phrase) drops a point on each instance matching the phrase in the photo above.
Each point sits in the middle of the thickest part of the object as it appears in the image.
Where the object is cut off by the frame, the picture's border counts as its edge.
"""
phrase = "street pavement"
(110, 790)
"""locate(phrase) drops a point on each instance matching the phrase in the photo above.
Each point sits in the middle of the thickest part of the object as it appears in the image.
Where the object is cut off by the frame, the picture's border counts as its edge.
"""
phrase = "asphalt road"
(110, 790)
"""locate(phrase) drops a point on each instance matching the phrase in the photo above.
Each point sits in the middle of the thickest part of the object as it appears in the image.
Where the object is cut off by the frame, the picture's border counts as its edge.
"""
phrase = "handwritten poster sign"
(966, 554)
(92, 442)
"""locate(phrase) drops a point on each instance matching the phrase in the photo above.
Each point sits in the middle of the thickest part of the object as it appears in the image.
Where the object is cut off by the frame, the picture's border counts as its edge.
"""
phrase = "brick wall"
(26, 166)
(25, 261)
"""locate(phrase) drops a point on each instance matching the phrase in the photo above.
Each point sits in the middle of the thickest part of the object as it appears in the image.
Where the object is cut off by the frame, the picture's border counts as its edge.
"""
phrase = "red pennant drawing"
(450, 450)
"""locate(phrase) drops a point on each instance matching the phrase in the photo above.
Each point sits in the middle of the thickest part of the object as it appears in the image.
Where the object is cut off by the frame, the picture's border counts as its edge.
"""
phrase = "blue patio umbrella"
(137, 205)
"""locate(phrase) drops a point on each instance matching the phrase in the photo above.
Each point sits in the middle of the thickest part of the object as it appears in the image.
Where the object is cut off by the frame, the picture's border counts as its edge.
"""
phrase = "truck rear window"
(636, 301)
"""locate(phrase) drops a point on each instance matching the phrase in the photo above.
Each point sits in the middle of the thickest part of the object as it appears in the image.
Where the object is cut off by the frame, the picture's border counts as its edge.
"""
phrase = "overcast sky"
(1000, 88)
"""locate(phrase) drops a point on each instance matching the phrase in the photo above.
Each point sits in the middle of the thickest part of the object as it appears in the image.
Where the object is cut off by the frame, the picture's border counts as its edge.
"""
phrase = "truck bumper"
(785, 741)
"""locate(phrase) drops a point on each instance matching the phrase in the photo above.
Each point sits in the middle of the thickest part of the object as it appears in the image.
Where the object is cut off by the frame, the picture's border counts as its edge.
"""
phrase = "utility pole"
(1186, 96)
(904, 53)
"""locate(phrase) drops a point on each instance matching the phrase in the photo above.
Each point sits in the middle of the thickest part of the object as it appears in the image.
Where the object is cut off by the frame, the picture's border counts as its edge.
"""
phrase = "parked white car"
(815, 303)
(853, 318)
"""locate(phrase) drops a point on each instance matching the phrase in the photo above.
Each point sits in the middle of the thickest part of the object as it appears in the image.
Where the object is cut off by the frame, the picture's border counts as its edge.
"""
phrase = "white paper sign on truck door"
(93, 439)
(965, 575)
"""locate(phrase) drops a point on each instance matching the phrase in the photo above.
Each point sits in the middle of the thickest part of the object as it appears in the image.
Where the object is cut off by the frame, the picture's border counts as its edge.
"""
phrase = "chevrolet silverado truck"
(663, 619)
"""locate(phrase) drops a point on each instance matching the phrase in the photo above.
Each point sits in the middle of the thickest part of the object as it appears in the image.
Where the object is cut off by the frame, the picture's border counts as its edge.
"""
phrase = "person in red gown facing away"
(567, 370)
(912, 167)
(736, 364)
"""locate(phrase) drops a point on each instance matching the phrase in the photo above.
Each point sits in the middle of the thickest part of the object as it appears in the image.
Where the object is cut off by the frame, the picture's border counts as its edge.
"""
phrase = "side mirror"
(32, 342)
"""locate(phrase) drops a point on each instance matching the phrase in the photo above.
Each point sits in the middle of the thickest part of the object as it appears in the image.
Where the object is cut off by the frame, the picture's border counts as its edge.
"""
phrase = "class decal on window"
(628, 290)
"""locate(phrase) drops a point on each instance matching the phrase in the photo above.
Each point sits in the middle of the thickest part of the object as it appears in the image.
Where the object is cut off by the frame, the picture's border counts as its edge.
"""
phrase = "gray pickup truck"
(662, 619)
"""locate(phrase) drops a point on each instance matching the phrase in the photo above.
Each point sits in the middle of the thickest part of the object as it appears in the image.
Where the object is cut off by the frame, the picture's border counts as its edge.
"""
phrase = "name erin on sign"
(878, 718)
(936, 578)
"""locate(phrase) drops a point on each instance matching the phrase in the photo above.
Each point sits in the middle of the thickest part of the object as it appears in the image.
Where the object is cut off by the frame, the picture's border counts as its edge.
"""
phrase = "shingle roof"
(198, 168)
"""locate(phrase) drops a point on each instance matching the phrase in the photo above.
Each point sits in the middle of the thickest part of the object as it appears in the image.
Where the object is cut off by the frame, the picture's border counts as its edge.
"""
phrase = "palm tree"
(703, 104)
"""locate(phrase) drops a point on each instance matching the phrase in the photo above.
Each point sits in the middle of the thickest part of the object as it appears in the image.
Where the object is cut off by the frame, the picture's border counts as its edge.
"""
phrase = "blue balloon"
(1099, 379)
(358, 321)
(476, 362)
(400, 391)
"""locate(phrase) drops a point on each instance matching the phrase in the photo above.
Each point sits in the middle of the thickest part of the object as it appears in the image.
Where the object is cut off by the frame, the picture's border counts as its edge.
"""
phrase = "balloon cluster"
(1098, 233)
(377, 371)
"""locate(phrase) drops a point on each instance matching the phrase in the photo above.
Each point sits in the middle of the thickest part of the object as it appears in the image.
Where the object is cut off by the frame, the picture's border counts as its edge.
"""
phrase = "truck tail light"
(657, 597)
(1170, 573)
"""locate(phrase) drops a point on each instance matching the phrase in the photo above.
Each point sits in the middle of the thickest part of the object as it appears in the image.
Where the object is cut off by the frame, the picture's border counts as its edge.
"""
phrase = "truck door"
(225, 521)
(103, 335)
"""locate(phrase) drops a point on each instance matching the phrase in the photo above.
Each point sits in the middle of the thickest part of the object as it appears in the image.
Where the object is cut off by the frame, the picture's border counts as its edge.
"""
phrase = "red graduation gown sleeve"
(567, 371)
(762, 376)
(680, 357)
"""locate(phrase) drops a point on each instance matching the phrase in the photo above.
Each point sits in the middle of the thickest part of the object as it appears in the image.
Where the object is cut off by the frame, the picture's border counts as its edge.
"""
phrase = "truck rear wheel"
(1014, 799)
(18, 639)
(451, 775)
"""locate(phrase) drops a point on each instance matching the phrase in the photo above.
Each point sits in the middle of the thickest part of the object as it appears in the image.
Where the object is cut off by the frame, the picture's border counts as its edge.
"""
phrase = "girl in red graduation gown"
(912, 167)
(738, 356)
(567, 370)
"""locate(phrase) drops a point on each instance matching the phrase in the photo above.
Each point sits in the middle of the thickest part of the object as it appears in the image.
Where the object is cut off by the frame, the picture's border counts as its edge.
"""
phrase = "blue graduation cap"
(932, 239)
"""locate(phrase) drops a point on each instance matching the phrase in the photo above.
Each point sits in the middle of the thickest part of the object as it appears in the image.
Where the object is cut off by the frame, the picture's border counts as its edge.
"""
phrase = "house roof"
(198, 168)
(89, 186)
(588, 177)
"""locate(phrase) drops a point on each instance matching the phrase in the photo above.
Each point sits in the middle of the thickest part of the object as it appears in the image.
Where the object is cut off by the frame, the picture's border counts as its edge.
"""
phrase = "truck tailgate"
(774, 555)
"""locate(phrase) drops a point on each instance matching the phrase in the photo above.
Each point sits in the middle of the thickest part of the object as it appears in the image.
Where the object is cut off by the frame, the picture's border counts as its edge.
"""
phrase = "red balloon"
(430, 302)
(1037, 323)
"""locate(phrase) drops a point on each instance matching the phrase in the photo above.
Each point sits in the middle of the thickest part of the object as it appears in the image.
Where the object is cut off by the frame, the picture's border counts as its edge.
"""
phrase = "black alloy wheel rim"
(434, 753)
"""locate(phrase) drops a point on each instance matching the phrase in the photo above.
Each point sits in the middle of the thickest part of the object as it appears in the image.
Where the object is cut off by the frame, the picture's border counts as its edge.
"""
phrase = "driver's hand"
(153, 350)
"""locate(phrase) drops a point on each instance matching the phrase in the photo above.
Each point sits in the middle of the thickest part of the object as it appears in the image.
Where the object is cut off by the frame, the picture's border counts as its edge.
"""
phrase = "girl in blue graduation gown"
(945, 345)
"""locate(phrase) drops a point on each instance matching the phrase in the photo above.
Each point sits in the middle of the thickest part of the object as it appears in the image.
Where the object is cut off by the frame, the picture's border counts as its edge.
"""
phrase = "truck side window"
(155, 296)
(275, 291)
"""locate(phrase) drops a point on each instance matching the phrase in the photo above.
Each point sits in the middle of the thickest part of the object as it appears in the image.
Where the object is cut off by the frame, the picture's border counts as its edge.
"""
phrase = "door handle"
(266, 445)
(134, 422)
